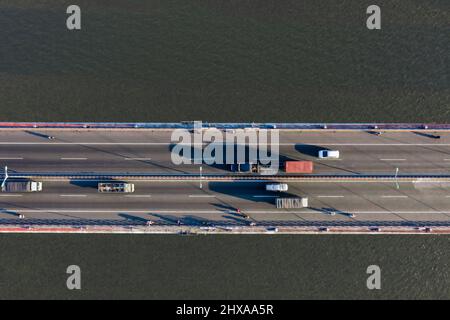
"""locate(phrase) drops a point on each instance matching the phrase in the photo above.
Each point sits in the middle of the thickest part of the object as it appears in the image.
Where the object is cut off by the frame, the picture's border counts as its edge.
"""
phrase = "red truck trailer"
(298, 166)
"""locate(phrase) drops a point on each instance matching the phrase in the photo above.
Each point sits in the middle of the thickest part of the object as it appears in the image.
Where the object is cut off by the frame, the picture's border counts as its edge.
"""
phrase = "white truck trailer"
(115, 187)
(22, 186)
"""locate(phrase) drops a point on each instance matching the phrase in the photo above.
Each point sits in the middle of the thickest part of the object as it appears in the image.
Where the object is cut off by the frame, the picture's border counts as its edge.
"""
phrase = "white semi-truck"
(277, 187)
(115, 187)
(22, 186)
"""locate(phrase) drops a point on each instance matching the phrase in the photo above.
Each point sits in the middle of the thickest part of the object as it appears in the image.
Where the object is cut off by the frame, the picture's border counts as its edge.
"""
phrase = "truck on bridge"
(115, 187)
(291, 203)
(22, 186)
(298, 167)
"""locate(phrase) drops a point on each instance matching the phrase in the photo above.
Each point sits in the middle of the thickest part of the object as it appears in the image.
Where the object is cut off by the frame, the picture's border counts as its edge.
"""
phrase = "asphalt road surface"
(216, 202)
(150, 152)
(339, 202)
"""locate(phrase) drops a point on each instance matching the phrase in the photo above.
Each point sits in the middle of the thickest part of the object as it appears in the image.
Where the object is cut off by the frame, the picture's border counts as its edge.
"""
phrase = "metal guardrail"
(221, 125)
(80, 223)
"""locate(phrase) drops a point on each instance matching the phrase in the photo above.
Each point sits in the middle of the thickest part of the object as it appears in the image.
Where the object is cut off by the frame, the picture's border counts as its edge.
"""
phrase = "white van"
(326, 154)
(277, 187)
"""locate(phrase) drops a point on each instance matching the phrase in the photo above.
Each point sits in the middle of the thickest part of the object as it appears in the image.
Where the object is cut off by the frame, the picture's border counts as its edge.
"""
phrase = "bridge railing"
(221, 125)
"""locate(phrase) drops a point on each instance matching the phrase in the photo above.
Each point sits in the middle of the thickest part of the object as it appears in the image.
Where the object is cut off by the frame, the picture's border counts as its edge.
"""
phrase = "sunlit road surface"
(163, 202)
(149, 152)
(217, 203)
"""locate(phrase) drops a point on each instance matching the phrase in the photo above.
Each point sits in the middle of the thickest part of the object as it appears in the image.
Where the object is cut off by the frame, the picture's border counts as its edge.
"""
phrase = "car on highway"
(329, 154)
(277, 187)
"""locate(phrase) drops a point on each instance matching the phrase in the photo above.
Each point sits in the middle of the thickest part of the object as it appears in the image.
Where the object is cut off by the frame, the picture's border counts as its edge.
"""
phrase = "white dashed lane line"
(138, 159)
(394, 196)
(201, 196)
(138, 195)
(262, 196)
(329, 196)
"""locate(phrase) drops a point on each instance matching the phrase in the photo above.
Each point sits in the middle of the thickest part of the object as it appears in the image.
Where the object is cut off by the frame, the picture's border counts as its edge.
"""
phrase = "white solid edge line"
(138, 195)
(73, 195)
(53, 210)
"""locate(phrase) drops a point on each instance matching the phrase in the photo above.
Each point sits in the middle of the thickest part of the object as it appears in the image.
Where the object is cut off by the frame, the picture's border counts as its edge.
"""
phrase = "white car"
(325, 154)
(277, 187)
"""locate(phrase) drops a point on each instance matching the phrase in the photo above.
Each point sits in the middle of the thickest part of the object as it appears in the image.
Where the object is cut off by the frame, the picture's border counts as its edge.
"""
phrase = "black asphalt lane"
(354, 159)
(219, 201)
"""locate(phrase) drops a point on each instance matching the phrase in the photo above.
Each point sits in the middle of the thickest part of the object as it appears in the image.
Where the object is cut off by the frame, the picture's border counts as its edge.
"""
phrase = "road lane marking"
(138, 195)
(73, 158)
(11, 158)
(392, 159)
(394, 196)
(138, 159)
(73, 195)
(10, 195)
(201, 196)
(265, 196)
(53, 210)
(330, 197)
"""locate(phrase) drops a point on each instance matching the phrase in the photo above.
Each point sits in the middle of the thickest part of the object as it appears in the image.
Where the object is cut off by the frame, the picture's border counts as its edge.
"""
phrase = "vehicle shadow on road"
(427, 135)
(238, 220)
(241, 191)
(224, 207)
(330, 211)
(309, 149)
(23, 207)
(138, 220)
(9, 212)
(313, 151)
(37, 134)
(166, 219)
(182, 220)
(84, 184)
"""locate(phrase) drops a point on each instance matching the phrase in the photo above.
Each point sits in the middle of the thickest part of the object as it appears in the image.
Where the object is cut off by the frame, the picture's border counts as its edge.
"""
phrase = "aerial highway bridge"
(397, 178)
